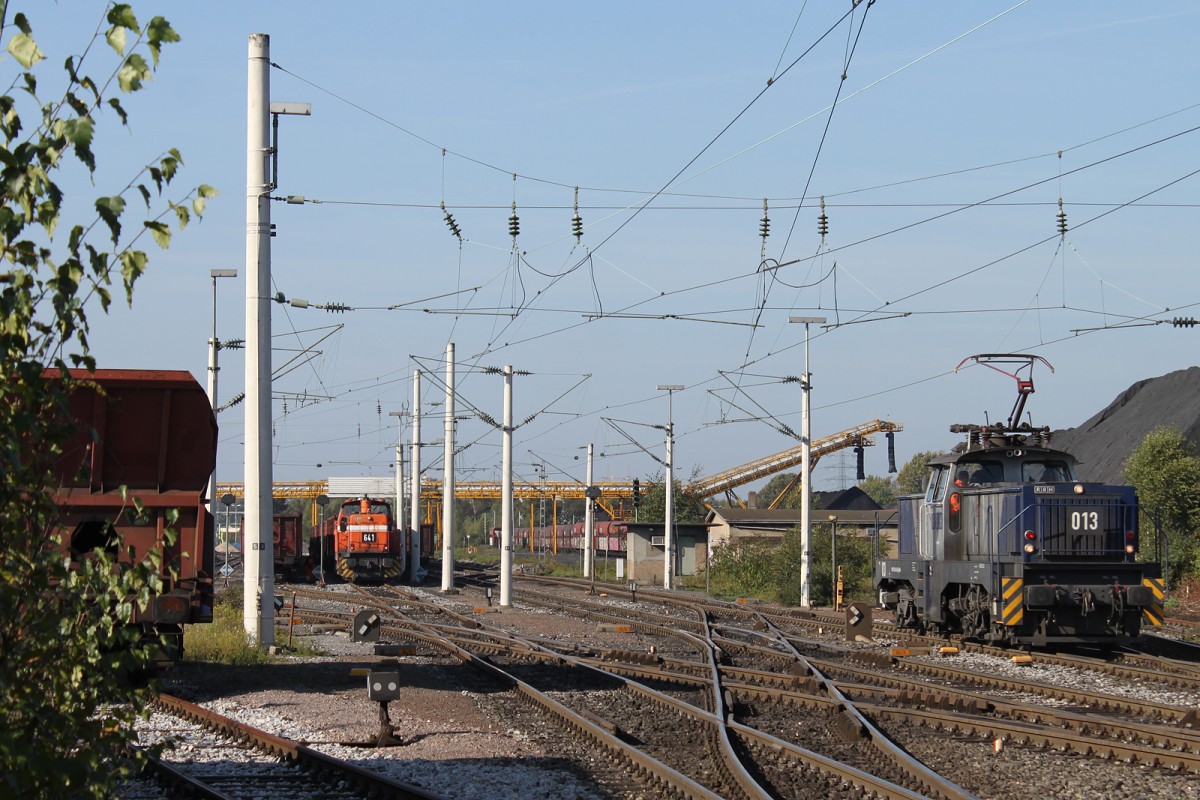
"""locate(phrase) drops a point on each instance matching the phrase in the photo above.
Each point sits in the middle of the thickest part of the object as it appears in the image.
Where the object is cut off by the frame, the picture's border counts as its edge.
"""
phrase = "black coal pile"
(1104, 442)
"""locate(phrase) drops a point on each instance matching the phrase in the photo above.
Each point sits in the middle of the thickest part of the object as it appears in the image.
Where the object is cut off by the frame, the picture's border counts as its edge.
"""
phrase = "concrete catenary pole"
(259, 575)
(414, 549)
(506, 495)
(669, 515)
(448, 478)
(589, 522)
(398, 489)
(806, 470)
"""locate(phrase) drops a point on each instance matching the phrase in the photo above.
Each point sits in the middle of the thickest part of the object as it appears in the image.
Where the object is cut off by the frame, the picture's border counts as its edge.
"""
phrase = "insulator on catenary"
(577, 221)
(1185, 322)
(1062, 220)
(823, 221)
(514, 223)
(764, 225)
(450, 223)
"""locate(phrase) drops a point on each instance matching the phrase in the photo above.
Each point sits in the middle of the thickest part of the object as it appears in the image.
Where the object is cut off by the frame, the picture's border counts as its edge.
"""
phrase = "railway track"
(209, 755)
(686, 744)
(721, 690)
(1165, 661)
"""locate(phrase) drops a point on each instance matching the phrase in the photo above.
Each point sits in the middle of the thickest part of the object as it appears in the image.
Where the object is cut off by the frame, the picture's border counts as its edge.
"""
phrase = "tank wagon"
(150, 437)
(1006, 545)
(361, 542)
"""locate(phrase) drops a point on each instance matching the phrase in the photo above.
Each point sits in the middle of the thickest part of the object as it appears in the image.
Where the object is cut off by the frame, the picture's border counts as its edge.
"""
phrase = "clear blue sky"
(940, 168)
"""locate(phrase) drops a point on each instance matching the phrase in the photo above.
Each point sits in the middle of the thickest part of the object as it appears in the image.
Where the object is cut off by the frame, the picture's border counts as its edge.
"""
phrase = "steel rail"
(1108, 702)
(718, 721)
(1043, 736)
(930, 781)
(306, 758)
(640, 763)
(1171, 748)
(183, 785)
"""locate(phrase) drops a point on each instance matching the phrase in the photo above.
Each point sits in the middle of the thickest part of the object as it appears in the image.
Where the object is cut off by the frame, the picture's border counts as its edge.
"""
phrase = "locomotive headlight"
(1030, 547)
(1079, 488)
(1129, 546)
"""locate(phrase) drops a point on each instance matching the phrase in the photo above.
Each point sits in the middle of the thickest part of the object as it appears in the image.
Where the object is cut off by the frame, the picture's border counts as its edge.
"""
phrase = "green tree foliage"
(881, 489)
(776, 486)
(64, 642)
(744, 568)
(853, 556)
(912, 476)
(1165, 470)
(687, 506)
(771, 568)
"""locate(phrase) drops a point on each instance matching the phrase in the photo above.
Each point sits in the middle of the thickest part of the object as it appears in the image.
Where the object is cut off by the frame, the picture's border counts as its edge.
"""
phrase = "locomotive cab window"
(1046, 472)
(937, 485)
(977, 473)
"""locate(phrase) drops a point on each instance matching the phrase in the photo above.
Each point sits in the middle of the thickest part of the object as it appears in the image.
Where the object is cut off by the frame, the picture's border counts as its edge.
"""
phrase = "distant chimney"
(752, 500)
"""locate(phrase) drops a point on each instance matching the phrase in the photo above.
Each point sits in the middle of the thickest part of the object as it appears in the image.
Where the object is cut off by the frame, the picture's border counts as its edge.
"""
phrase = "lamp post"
(213, 346)
(669, 515)
(805, 470)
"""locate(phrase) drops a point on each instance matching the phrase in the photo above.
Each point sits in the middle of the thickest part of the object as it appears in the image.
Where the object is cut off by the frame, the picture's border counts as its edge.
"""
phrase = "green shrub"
(223, 641)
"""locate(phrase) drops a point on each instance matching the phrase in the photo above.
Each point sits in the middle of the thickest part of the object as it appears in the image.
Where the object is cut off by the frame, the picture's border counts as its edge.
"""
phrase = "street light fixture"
(806, 469)
(669, 515)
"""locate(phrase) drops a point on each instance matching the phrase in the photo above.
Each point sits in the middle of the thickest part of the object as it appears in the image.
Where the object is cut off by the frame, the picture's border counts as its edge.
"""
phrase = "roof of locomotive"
(1003, 454)
(998, 443)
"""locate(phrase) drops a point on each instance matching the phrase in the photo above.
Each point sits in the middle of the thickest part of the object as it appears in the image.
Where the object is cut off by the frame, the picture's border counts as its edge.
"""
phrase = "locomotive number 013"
(1085, 520)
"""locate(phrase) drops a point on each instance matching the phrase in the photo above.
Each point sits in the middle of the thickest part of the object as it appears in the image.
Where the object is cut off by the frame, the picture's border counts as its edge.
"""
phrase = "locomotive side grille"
(1084, 527)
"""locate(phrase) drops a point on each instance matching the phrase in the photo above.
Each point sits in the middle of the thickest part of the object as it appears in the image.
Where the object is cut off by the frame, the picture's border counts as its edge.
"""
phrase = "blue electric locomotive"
(1007, 546)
